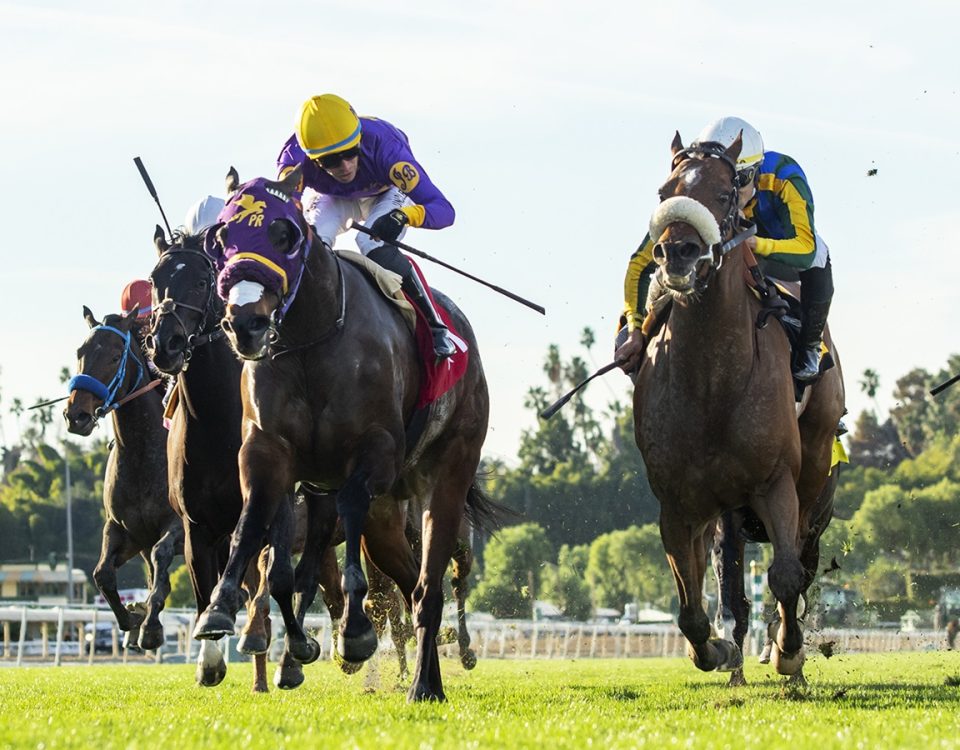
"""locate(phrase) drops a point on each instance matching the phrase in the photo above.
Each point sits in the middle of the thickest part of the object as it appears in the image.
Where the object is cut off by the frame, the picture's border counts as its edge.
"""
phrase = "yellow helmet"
(327, 124)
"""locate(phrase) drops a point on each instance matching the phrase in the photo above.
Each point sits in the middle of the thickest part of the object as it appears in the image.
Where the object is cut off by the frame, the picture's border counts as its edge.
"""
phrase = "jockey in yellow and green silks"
(775, 194)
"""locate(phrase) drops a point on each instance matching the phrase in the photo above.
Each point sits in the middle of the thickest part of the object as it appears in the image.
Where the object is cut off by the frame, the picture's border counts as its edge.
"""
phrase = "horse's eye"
(725, 198)
(202, 283)
(116, 358)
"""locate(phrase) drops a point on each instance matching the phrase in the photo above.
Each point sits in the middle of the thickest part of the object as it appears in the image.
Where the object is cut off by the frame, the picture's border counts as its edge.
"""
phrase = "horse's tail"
(483, 512)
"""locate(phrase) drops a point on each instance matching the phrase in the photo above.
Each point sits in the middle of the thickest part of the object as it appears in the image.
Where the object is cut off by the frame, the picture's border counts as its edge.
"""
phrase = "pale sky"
(546, 124)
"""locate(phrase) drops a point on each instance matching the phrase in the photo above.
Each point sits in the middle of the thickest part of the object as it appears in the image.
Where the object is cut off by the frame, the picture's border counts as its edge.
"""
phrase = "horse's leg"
(441, 527)
(732, 607)
(686, 554)
(200, 553)
(255, 637)
(462, 565)
(299, 645)
(779, 512)
(151, 632)
(265, 479)
(116, 548)
(393, 560)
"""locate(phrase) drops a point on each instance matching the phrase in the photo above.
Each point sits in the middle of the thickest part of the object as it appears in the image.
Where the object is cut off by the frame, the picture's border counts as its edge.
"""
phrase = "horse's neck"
(712, 339)
(141, 417)
(210, 385)
(317, 304)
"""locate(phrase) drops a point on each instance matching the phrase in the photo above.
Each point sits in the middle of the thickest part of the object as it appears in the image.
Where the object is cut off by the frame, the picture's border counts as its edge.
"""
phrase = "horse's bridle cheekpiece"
(107, 392)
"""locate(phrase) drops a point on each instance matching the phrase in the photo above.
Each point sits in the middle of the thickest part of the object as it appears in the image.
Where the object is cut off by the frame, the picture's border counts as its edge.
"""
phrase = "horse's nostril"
(658, 253)
(226, 326)
(690, 250)
(175, 344)
(258, 324)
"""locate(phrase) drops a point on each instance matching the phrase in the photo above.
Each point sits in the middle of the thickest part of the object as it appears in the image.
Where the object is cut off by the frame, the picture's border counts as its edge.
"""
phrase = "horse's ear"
(88, 316)
(280, 235)
(233, 181)
(734, 149)
(677, 145)
(290, 182)
(220, 238)
(127, 318)
(160, 240)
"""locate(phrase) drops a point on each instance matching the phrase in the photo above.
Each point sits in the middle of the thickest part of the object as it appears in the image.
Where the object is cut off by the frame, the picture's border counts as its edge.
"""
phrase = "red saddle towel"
(438, 377)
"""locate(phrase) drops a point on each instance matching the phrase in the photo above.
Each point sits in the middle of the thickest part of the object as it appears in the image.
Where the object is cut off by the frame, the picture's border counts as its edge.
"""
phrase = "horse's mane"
(186, 240)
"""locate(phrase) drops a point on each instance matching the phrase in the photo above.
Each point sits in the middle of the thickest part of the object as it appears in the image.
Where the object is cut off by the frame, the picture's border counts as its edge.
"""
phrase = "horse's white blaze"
(245, 292)
(209, 656)
(689, 211)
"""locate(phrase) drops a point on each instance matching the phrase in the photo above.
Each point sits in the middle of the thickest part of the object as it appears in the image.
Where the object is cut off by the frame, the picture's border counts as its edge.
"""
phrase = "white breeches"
(328, 214)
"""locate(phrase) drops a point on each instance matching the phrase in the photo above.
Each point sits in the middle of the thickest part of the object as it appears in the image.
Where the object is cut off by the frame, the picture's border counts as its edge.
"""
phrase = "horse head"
(105, 370)
(184, 282)
(698, 209)
(261, 246)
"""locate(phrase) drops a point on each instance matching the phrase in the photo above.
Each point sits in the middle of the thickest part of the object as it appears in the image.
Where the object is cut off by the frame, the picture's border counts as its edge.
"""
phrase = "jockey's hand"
(389, 226)
(630, 355)
(751, 243)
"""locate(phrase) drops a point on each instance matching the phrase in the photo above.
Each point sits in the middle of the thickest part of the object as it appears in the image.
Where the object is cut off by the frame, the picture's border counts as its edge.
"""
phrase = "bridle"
(713, 255)
(205, 333)
(107, 392)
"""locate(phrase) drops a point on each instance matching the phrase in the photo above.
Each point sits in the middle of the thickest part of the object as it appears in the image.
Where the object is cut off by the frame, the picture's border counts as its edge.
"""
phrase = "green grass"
(862, 701)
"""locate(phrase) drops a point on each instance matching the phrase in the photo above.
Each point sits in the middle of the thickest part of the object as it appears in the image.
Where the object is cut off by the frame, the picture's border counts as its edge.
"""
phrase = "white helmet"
(725, 131)
(203, 214)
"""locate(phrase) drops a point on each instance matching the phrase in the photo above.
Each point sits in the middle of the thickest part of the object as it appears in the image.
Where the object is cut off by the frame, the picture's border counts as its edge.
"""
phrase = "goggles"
(332, 161)
(746, 175)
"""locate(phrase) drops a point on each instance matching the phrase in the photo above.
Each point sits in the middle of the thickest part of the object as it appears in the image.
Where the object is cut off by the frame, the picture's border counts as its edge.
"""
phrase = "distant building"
(38, 582)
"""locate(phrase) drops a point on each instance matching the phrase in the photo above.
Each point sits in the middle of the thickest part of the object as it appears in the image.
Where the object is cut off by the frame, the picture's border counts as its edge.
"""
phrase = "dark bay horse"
(186, 341)
(332, 378)
(139, 519)
(715, 411)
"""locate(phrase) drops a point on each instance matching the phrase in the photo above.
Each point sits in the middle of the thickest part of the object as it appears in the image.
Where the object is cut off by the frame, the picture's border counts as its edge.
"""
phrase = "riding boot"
(392, 259)
(807, 364)
(442, 345)
(816, 292)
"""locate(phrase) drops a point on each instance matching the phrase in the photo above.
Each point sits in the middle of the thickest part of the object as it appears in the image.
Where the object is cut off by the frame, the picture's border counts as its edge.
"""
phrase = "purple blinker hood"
(248, 254)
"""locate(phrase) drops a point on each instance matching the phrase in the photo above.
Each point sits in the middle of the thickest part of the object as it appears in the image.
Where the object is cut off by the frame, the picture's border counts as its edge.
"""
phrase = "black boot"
(442, 345)
(807, 364)
(392, 259)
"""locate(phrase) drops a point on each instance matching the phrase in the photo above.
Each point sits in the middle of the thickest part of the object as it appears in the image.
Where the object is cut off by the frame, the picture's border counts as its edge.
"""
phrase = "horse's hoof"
(345, 666)
(468, 659)
(213, 625)
(786, 664)
(130, 640)
(730, 657)
(151, 638)
(211, 676)
(765, 654)
(252, 644)
(737, 679)
(419, 693)
(306, 651)
(288, 676)
(357, 649)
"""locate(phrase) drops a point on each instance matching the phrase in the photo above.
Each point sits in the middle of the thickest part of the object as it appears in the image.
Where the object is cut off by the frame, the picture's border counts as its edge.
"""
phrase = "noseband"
(107, 392)
(169, 306)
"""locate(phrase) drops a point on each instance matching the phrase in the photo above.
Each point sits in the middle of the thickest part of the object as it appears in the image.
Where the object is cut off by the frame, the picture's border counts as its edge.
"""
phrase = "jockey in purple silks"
(362, 169)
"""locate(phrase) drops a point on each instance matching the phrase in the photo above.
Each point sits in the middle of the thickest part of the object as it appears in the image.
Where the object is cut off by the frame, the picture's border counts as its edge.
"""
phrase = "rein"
(276, 351)
(108, 392)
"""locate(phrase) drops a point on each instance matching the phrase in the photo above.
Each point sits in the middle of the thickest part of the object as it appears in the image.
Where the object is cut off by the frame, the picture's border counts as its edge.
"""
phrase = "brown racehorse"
(139, 519)
(328, 392)
(715, 412)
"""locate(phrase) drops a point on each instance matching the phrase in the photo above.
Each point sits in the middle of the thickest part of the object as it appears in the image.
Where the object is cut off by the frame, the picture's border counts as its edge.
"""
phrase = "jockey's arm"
(431, 209)
(637, 283)
(800, 249)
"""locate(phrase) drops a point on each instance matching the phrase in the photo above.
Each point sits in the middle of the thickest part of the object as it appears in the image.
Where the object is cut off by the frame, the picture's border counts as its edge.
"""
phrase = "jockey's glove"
(389, 226)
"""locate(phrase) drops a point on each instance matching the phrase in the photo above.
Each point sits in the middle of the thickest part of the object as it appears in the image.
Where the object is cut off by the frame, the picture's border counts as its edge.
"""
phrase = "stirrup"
(442, 345)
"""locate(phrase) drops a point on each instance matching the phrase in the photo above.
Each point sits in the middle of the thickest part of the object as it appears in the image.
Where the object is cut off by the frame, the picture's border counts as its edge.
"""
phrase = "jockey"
(138, 292)
(362, 169)
(202, 215)
(774, 193)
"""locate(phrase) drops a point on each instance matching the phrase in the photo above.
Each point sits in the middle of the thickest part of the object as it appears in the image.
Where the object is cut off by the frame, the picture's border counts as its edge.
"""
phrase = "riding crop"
(420, 254)
(556, 405)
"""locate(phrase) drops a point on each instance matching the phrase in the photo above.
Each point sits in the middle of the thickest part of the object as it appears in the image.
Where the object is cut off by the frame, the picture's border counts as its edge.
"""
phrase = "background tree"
(511, 578)
(565, 584)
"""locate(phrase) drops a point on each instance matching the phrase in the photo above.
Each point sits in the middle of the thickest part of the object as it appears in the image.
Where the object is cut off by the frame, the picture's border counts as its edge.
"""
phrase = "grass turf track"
(853, 701)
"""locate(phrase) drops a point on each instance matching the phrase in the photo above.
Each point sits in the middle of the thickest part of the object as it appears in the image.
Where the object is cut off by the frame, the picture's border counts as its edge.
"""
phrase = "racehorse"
(715, 412)
(139, 519)
(331, 379)
(186, 341)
